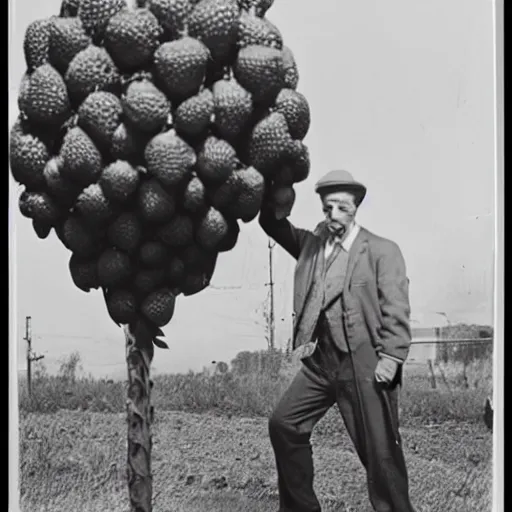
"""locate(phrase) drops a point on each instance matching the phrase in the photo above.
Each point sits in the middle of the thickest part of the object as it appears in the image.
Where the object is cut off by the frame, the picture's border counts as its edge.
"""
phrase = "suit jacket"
(374, 293)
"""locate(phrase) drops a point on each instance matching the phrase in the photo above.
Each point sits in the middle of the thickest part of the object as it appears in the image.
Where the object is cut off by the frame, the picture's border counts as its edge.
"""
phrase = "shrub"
(254, 384)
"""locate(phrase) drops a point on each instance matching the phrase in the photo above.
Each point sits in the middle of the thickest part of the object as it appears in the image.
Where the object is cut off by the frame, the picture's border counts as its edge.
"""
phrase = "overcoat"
(374, 294)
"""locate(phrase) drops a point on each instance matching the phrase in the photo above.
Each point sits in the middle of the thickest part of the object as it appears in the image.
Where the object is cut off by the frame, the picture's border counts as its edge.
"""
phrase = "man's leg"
(307, 399)
(370, 413)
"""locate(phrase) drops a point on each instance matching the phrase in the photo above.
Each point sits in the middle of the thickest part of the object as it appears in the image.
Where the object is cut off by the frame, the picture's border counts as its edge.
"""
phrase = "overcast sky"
(401, 94)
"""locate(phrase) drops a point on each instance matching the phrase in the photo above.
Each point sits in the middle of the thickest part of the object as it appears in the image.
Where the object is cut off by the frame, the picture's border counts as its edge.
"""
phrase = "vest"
(320, 312)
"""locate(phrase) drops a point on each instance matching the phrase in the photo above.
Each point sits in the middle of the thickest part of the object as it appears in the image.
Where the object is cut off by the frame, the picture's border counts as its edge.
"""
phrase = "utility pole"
(30, 357)
(271, 245)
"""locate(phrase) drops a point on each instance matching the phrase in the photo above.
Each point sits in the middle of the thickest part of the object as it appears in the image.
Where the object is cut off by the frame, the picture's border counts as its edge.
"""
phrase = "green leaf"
(159, 343)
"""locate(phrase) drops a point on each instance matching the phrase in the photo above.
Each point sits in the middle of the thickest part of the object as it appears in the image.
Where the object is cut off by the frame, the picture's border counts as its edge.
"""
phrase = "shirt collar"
(349, 240)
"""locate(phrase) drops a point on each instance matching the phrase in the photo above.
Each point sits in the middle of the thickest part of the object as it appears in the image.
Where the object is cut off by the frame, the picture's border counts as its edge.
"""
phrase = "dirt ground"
(76, 461)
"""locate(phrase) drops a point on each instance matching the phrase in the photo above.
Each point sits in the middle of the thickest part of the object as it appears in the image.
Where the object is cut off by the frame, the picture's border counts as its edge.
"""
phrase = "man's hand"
(282, 211)
(279, 210)
(386, 370)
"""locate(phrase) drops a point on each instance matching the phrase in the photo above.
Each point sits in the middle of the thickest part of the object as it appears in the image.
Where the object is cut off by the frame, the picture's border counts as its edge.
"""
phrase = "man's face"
(339, 210)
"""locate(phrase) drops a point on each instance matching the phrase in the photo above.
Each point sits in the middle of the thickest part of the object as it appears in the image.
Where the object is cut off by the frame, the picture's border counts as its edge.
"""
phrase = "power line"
(72, 336)
(214, 287)
(67, 336)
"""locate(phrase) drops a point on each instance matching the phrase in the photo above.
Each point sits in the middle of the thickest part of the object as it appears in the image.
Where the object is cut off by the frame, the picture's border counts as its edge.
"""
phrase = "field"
(211, 450)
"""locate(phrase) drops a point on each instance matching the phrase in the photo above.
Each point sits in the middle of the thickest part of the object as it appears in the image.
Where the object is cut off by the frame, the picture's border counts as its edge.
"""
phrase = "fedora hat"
(340, 180)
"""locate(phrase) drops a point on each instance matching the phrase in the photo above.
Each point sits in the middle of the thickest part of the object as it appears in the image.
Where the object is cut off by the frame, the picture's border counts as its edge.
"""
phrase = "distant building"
(215, 368)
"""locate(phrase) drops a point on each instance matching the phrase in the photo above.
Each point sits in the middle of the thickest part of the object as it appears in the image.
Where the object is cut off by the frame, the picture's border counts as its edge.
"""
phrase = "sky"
(401, 94)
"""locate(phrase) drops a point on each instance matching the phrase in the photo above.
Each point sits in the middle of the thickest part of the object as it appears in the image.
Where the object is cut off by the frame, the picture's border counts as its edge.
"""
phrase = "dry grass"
(73, 442)
(205, 462)
(458, 396)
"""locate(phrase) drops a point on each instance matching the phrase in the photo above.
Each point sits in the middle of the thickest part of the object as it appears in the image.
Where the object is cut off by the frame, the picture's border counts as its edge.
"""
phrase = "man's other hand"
(386, 370)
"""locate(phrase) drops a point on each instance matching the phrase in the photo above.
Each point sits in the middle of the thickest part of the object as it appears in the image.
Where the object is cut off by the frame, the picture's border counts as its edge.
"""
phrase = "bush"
(251, 394)
(67, 391)
(255, 383)
(464, 352)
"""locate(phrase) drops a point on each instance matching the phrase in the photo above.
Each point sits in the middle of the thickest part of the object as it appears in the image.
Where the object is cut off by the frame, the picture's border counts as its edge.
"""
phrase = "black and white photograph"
(255, 256)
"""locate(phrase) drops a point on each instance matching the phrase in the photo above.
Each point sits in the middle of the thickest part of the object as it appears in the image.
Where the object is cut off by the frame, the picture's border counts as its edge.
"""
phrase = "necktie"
(335, 250)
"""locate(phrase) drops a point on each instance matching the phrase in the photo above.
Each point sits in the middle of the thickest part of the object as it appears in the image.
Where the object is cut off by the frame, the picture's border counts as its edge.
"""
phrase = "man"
(351, 322)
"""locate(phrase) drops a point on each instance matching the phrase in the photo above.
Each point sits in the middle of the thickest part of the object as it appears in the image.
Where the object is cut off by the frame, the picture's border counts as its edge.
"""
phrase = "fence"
(461, 362)
(450, 350)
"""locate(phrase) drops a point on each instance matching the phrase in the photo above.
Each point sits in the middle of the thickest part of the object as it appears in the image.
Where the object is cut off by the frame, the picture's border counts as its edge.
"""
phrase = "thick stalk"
(139, 354)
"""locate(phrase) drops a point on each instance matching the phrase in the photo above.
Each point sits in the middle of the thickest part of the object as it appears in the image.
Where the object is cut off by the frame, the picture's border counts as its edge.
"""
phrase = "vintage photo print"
(256, 253)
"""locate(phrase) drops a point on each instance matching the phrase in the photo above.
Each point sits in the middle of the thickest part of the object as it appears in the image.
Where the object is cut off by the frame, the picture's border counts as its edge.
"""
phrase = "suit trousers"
(370, 414)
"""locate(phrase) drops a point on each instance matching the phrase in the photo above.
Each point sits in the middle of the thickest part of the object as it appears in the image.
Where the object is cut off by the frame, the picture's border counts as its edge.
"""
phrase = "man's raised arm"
(290, 238)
